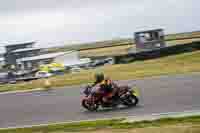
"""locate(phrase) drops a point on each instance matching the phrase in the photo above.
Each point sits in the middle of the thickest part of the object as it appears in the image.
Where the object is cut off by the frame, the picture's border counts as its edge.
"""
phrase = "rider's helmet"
(99, 77)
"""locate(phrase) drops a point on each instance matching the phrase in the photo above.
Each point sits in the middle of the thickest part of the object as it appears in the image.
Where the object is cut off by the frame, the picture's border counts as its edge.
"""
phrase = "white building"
(2, 62)
(70, 58)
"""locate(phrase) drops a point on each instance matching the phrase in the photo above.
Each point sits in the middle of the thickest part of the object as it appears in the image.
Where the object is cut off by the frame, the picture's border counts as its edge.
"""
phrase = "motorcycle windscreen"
(136, 91)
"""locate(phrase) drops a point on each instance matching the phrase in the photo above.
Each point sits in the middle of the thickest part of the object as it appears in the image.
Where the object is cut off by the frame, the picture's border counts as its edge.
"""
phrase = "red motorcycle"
(124, 96)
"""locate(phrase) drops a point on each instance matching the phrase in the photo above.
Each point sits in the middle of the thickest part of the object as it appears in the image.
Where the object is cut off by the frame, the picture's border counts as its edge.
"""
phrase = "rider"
(105, 86)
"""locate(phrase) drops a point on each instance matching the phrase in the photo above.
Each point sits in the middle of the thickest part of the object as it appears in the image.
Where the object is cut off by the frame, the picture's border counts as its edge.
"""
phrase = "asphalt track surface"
(158, 95)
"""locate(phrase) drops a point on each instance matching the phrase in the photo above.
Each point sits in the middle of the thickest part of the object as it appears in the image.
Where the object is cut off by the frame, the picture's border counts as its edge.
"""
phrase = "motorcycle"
(124, 96)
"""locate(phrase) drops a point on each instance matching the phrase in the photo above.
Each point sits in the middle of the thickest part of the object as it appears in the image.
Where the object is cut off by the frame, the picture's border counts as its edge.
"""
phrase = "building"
(32, 62)
(17, 51)
(68, 59)
(71, 58)
(26, 57)
(2, 62)
(149, 40)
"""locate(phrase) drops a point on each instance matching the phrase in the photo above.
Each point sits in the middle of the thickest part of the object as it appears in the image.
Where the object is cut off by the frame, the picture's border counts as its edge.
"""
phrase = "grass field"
(120, 46)
(123, 49)
(120, 41)
(183, 35)
(111, 51)
(165, 125)
(177, 128)
(92, 45)
(176, 64)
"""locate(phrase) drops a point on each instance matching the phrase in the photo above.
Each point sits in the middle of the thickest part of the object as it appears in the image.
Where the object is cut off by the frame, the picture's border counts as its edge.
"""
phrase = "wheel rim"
(132, 100)
(90, 106)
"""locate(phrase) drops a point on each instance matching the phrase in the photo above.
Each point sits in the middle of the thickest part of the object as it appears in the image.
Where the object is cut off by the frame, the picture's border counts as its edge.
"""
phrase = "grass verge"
(107, 124)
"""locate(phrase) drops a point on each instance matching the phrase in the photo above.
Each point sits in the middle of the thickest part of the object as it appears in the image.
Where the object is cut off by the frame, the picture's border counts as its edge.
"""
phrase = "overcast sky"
(53, 22)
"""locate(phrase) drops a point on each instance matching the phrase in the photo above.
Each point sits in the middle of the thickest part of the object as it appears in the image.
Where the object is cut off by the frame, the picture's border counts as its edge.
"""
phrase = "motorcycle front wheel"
(131, 100)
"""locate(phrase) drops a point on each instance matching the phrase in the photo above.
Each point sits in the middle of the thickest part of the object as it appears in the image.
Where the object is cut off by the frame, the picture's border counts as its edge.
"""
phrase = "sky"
(58, 22)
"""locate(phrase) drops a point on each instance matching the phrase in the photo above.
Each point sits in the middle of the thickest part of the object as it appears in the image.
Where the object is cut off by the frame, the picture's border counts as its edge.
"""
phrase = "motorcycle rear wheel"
(89, 106)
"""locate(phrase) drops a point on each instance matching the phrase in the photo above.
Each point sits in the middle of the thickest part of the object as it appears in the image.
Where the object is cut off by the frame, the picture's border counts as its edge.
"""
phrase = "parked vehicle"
(3, 78)
(102, 62)
(75, 69)
(43, 74)
(7, 77)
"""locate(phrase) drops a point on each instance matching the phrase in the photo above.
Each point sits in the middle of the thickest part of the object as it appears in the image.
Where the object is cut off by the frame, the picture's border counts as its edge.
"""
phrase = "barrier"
(170, 50)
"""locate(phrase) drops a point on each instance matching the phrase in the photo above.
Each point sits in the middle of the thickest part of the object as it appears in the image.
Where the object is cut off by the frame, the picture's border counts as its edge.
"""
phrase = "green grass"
(124, 41)
(111, 51)
(105, 124)
(170, 39)
(176, 64)
(183, 35)
(123, 49)
(93, 45)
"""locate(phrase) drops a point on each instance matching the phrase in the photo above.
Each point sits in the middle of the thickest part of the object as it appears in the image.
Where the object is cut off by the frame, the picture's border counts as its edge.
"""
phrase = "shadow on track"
(107, 110)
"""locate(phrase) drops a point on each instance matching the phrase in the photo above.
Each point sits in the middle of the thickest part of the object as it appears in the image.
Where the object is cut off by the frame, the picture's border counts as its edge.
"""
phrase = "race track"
(159, 95)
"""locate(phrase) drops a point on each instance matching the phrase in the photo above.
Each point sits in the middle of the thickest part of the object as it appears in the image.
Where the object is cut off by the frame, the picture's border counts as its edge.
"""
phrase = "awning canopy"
(44, 56)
